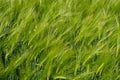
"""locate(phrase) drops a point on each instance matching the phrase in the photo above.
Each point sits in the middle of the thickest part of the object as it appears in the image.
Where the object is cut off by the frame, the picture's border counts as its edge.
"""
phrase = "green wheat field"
(59, 39)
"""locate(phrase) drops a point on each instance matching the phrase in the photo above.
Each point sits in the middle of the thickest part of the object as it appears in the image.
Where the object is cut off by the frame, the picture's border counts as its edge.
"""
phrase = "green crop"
(59, 39)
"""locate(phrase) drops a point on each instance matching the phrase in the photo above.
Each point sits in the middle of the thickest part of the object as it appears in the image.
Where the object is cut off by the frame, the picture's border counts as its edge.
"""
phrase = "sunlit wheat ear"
(59, 39)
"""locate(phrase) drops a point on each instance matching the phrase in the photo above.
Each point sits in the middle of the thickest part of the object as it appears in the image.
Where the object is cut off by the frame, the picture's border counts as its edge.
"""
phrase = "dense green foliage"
(59, 39)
